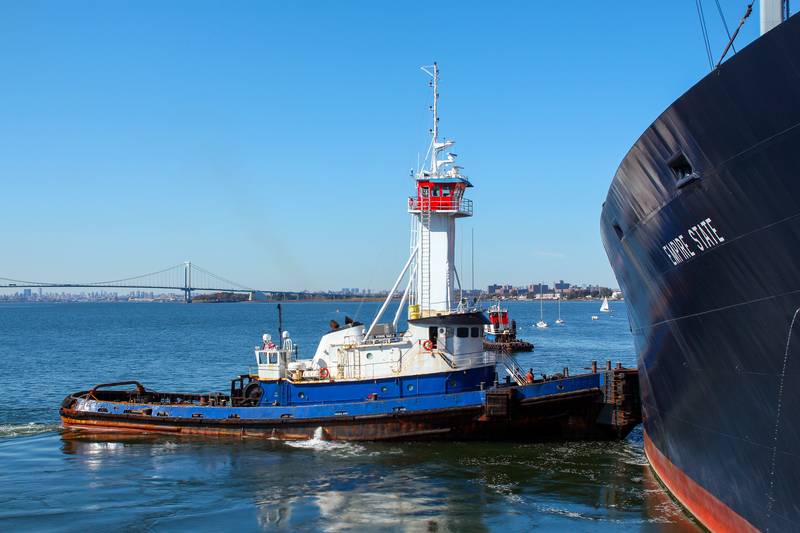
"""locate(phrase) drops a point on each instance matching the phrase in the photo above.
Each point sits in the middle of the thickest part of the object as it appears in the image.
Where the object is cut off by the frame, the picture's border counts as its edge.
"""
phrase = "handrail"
(447, 360)
(139, 387)
(513, 368)
(440, 203)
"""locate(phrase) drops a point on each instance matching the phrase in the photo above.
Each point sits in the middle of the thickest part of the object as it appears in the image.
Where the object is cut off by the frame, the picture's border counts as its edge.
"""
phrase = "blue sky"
(270, 142)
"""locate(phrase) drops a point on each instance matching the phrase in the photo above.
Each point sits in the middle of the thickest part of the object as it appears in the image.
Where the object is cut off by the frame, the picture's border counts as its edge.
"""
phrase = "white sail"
(559, 320)
(604, 307)
(541, 323)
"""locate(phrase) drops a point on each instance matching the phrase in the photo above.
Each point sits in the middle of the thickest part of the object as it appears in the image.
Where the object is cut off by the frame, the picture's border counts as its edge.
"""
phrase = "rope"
(771, 494)
(725, 23)
(701, 16)
(735, 33)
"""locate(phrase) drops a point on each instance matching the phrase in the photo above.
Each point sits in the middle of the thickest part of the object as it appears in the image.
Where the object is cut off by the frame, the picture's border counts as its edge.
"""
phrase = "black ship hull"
(702, 228)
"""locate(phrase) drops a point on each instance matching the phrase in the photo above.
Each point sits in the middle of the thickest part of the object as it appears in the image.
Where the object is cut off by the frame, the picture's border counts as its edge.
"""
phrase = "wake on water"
(319, 444)
(29, 428)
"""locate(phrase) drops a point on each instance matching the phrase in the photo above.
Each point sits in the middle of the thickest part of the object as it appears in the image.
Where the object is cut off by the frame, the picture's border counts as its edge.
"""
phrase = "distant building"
(538, 288)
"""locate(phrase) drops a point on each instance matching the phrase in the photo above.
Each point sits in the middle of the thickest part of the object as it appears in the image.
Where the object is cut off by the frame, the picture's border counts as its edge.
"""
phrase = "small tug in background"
(501, 336)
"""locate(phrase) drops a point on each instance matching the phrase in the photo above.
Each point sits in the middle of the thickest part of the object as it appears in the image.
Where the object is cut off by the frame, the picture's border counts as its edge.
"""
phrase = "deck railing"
(443, 204)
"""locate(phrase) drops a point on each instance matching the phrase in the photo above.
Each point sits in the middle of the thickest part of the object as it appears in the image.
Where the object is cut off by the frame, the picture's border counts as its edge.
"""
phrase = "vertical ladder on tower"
(425, 258)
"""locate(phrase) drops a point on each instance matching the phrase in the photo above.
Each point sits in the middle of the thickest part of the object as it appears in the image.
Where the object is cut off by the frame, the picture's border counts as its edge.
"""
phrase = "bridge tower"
(187, 282)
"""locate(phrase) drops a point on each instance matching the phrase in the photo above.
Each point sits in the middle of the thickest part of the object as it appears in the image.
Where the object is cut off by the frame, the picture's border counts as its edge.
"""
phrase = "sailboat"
(604, 307)
(541, 323)
(558, 320)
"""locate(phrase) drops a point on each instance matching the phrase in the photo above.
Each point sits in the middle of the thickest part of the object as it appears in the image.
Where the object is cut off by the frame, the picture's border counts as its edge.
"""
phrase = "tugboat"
(432, 381)
(499, 336)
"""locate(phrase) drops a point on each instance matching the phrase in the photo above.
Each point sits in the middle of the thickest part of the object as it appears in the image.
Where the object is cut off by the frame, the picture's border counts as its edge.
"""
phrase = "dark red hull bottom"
(711, 512)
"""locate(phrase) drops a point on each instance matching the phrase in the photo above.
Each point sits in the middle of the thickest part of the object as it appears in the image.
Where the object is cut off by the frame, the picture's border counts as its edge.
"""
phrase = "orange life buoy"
(428, 345)
(323, 373)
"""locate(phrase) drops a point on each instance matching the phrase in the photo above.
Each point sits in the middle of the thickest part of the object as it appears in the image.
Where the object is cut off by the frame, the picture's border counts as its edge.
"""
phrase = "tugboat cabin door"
(433, 335)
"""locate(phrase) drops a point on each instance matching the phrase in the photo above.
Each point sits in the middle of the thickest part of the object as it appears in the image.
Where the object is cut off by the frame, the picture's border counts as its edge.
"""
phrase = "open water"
(49, 481)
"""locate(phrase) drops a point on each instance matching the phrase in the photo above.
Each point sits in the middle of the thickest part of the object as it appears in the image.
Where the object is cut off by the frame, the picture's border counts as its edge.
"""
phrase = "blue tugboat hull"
(599, 405)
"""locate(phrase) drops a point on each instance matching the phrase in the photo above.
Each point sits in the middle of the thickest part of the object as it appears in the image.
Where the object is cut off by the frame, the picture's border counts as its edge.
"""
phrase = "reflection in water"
(335, 486)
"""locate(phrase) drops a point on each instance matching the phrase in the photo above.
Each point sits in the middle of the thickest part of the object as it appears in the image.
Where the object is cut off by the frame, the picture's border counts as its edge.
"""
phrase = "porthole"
(452, 383)
(301, 395)
(369, 355)
(410, 387)
(384, 389)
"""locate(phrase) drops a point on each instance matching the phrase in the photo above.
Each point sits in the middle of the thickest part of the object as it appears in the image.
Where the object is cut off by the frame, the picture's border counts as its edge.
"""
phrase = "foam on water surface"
(28, 428)
(320, 444)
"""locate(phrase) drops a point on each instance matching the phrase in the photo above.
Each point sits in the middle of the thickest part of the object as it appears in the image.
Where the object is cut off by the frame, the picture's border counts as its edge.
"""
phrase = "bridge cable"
(119, 281)
(24, 282)
(220, 278)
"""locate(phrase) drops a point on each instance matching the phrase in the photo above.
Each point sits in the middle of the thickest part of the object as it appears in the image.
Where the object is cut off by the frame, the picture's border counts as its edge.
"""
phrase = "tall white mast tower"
(438, 203)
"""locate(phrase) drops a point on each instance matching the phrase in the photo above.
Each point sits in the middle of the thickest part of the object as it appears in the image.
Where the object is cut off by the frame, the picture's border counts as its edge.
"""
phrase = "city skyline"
(271, 144)
(54, 293)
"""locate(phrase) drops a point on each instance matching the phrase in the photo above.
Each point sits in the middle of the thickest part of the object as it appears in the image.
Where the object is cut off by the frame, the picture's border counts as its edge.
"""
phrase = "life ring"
(324, 373)
(428, 345)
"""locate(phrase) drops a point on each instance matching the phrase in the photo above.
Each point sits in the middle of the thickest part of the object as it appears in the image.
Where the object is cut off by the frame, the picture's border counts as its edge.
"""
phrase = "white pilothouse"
(444, 333)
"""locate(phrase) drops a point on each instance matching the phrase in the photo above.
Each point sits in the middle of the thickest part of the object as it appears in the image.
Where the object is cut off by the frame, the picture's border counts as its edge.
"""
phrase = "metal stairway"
(512, 368)
(425, 257)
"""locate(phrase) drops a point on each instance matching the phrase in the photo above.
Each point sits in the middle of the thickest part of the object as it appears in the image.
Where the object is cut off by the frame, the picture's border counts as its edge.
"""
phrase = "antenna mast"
(435, 114)
(435, 108)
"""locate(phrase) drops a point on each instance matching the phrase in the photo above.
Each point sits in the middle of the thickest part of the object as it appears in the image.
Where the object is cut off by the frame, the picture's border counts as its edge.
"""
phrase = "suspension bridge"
(186, 277)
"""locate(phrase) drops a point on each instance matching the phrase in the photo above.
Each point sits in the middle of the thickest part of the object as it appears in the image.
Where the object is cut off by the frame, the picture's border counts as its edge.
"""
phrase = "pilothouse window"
(462, 333)
(476, 331)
